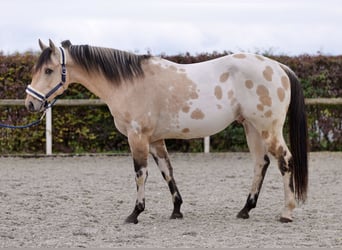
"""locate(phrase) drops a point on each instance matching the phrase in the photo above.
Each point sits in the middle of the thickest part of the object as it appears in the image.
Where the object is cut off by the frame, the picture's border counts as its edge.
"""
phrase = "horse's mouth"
(34, 105)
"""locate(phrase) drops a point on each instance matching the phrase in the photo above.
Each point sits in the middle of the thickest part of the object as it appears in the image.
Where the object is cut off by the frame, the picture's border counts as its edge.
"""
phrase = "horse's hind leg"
(161, 157)
(258, 150)
(279, 149)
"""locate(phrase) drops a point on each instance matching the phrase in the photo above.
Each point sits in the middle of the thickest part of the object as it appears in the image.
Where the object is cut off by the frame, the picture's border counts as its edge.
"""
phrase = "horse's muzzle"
(34, 105)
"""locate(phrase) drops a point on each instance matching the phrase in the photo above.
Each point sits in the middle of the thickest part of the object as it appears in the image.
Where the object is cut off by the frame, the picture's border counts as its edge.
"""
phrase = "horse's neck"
(94, 82)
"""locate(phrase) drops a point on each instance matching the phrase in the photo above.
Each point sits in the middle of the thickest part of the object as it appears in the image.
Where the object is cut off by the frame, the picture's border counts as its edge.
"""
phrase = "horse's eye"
(48, 71)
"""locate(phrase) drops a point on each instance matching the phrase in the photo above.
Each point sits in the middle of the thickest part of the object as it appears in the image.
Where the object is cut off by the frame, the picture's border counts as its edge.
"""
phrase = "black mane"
(114, 64)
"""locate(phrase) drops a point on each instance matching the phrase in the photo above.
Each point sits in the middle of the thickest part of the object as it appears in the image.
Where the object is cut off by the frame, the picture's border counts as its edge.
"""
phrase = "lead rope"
(25, 126)
(32, 123)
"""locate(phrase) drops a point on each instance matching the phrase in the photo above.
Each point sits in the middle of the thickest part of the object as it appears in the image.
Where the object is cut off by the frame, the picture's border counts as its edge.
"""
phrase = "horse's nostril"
(31, 106)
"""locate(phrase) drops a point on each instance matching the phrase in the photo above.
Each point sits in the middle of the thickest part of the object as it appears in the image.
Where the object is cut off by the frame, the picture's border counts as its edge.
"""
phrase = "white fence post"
(207, 144)
(48, 131)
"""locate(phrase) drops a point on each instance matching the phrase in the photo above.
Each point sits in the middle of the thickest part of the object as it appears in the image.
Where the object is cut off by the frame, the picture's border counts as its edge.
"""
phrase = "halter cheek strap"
(44, 98)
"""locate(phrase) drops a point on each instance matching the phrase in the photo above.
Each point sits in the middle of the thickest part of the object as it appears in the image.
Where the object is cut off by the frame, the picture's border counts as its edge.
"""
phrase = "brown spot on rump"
(267, 73)
(281, 94)
(285, 82)
(218, 92)
(186, 109)
(260, 107)
(219, 106)
(224, 77)
(239, 56)
(268, 113)
(249, 84)
(263, 94)
(262, 90)
(230, 94)
(185, 130)
(197, 114)
(266, 100)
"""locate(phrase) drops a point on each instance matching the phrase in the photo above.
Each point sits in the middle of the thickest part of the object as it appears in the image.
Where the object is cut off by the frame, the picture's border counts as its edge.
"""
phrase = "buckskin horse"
(152, 99)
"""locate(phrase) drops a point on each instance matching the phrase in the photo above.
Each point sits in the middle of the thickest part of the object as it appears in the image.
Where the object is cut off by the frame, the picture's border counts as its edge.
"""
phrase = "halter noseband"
(44, 98)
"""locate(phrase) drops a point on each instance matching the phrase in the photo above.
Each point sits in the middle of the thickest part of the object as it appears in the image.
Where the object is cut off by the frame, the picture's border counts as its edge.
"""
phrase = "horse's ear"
(52, 45)
(42, 45)
(66, 44)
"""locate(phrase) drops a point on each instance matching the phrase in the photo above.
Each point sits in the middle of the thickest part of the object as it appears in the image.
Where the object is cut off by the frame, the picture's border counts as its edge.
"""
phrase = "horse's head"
(49, 77)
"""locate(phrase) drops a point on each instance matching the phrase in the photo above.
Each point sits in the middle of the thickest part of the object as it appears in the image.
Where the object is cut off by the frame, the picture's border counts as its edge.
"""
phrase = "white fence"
(97, 102)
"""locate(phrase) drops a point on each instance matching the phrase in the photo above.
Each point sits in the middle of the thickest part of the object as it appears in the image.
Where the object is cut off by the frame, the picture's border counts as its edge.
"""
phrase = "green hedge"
(91, 129)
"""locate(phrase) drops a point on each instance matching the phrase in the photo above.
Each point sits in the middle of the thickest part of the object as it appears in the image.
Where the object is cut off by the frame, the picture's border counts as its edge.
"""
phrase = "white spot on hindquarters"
(136, 127)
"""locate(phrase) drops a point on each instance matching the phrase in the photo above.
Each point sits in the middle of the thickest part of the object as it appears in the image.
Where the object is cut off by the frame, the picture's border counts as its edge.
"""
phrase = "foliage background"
(91, 129)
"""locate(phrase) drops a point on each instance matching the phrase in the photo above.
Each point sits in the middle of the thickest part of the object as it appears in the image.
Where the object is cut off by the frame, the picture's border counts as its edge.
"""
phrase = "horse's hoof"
(285, 220)
(243, 215)
(131, 219)
(176, 216)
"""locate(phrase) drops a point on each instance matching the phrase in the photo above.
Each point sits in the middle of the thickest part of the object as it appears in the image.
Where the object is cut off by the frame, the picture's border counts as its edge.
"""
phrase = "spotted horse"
(152, 99)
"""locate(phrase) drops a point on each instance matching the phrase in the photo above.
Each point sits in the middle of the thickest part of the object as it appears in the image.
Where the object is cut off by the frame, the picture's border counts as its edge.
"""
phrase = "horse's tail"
(298, 137)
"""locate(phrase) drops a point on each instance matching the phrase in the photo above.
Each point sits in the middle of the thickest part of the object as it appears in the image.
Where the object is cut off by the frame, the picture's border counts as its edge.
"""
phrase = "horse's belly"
(199, 123)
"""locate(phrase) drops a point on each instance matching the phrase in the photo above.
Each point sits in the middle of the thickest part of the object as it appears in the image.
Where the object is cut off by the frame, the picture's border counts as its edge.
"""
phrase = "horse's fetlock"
(252, 201)
(140, 206)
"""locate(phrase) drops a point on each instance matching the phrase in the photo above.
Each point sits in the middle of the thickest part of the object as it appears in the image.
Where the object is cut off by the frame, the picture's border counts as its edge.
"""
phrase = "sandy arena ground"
(83, 201)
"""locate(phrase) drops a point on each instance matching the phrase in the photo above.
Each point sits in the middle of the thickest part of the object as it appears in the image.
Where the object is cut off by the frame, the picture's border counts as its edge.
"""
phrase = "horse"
(152, 99)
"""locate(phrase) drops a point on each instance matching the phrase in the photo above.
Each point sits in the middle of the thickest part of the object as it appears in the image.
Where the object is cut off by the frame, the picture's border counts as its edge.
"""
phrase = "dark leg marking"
(285, 169)
(176, 197)
(139, 205)
(252, 199)
(133, 217)
(250, 204)
(177, 200)
(161, 158)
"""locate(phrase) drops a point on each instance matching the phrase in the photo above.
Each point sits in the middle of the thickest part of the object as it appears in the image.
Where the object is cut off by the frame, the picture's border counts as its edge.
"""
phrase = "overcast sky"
(176, 26)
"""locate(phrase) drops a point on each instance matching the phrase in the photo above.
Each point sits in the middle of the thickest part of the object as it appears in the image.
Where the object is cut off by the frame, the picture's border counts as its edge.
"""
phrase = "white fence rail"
(97, 102)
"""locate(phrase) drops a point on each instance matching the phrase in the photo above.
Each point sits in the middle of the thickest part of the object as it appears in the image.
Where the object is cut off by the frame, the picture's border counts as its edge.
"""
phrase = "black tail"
(298, 137)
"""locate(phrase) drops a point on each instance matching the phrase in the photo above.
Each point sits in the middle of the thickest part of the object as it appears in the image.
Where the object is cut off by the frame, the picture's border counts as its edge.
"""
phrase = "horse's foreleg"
(139, 147)
(161, 157)
(261, 162)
